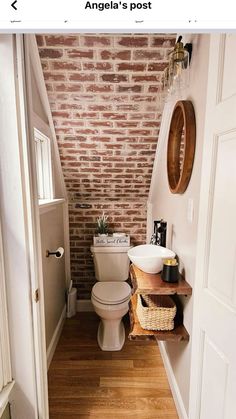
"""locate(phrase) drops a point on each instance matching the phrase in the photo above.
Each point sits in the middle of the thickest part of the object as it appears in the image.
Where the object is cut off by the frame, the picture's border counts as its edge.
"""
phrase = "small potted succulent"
(102, 225)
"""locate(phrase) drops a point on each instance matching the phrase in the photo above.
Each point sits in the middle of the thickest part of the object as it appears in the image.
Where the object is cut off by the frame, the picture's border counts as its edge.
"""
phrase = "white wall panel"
(214, 381)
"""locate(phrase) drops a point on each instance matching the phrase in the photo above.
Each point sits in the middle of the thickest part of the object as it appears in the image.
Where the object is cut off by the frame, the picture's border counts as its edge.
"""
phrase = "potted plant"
(102, 225)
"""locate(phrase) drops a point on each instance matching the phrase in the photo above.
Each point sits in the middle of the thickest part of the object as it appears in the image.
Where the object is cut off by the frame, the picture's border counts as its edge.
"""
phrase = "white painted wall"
(42, 108)
(52, 232)
(173, 208)
(54, 277)
(53, 219)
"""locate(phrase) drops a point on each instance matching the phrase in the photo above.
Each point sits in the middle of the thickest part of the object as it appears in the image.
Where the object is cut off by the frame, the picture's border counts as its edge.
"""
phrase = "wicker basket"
(156, 312)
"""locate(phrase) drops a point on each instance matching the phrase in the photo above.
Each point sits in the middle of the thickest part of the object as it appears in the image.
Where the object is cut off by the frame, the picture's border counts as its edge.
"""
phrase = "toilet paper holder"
(57, 253)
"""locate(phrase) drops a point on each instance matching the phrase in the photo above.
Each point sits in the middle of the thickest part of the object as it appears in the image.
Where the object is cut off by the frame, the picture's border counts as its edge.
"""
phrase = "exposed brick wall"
(103, 92)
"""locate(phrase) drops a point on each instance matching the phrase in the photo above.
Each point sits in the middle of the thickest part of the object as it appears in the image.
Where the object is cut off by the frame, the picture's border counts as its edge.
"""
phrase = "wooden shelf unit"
(178, 334)
(144, 283)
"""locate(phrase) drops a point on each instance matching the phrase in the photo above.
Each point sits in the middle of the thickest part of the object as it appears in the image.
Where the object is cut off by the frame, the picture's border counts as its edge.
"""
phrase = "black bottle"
(159, 234)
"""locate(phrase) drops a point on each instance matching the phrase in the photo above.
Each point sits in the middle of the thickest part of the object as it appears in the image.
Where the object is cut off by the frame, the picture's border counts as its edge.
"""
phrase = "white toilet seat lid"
(111, 292)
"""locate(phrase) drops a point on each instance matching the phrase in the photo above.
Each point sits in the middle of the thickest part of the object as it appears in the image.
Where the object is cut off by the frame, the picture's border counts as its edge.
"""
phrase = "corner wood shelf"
(144, 283)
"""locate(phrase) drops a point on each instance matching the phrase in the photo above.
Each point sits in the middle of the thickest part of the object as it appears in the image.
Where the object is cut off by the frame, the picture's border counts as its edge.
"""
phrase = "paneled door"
(213, 375)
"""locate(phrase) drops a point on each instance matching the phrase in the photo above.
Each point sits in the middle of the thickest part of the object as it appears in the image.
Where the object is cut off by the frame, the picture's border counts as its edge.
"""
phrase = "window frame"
(44, 169)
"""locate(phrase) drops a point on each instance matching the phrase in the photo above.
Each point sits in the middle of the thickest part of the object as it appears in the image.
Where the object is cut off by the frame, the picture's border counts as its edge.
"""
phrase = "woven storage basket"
(156, 312)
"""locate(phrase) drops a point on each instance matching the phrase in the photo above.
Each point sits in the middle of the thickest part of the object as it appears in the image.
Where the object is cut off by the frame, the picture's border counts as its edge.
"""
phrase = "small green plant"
(102, 224)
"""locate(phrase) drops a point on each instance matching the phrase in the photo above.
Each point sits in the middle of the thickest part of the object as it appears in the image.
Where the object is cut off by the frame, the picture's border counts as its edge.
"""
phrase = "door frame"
(203, 234)
(21, 241)
(33, 226)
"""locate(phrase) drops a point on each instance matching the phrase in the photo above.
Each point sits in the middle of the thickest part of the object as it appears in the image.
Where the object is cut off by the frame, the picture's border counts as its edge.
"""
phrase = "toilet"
(111, 294)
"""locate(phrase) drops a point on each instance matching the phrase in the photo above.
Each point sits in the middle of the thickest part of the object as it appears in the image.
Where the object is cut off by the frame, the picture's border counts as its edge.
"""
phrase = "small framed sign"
(114, 241)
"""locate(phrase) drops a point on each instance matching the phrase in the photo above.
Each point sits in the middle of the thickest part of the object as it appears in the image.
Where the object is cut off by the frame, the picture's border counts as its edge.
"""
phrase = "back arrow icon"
(13, 4)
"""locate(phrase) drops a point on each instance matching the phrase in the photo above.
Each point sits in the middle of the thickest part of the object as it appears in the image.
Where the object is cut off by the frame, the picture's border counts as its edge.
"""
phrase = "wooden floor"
(85, 382)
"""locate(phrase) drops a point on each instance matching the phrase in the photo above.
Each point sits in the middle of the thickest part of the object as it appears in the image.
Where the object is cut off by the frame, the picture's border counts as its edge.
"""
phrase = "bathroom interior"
(118, 128)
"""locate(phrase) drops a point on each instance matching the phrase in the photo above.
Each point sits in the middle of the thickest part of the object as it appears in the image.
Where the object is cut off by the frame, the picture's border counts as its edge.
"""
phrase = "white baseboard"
(55, 338)
(173, 383)
(84, 305)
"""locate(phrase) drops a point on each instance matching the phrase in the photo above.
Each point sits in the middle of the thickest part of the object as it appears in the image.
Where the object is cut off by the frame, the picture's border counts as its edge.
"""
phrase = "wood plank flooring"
(85, 382)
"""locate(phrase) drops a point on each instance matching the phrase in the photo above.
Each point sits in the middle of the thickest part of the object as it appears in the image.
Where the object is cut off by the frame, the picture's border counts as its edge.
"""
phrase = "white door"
(213, 376)
(21, 247)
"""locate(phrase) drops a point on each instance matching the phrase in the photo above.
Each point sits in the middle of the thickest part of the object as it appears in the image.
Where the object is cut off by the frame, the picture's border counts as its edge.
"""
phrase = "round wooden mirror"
(181, 146)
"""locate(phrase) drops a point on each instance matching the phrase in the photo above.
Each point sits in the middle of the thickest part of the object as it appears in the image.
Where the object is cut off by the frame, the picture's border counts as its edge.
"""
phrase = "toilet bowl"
(111, 294)
(110, 300)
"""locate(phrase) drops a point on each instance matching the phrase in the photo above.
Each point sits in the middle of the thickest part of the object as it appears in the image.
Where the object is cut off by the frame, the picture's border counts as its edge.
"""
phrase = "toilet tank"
(111, 263)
